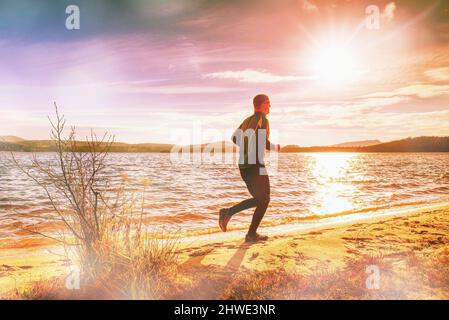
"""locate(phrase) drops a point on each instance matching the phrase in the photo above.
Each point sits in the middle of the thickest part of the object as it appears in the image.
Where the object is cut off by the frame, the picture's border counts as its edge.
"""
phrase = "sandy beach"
(328, 260)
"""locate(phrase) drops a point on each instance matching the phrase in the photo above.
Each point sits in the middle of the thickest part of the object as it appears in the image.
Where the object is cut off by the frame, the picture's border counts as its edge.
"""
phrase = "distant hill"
(419, 144)
(48, 146)
(142, 147)
(10, 139)
(364, 143)
(292, 148)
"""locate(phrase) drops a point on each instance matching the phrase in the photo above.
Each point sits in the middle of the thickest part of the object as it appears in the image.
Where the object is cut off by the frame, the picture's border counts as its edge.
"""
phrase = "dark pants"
(259, 187)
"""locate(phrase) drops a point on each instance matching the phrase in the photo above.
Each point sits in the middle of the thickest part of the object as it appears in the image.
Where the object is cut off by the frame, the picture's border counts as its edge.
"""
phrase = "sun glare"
(335, 64)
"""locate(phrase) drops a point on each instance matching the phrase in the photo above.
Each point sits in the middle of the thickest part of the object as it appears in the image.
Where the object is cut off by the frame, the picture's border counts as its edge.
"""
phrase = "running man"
(252, 137)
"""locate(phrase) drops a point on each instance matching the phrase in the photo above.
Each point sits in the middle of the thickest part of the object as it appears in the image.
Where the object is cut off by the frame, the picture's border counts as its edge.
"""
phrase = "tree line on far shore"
(418, 144)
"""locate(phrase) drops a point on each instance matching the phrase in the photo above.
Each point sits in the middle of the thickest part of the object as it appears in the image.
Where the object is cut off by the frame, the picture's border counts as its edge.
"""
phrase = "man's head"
(261, 103)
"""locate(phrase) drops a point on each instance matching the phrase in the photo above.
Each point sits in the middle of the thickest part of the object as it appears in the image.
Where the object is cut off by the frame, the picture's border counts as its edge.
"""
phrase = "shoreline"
(27, 239)
(327, 244)
(310, 224)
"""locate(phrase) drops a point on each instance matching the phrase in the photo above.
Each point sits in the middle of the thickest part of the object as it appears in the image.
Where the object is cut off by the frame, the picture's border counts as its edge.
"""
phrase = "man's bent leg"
(248, 175)
(245, 204)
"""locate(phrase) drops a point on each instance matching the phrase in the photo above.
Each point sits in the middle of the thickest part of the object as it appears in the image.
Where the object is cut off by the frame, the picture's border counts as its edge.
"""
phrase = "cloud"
(419, 90)
(342, 120)
(408, 124)
(345, 114)
(177, 89)
(254, 76)
(389, 10)
(438, 74)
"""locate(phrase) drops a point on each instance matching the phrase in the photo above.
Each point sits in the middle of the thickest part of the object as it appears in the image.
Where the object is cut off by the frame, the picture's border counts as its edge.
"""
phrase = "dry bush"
(103, 231)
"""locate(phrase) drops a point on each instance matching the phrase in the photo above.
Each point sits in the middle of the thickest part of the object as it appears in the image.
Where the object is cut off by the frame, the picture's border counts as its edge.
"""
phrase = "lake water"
(303, 187)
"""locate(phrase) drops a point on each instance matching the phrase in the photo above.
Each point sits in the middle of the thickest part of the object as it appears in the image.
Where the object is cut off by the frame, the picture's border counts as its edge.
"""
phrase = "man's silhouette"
(252, 138)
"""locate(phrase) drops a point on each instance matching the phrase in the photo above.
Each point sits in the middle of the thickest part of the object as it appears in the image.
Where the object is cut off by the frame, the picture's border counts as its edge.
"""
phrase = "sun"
(335, 64)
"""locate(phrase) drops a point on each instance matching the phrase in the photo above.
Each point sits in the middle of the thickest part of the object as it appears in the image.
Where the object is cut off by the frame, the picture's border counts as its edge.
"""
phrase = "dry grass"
(128, 265)
(135, 266)
(344, 284)
(436, 270)
(281, 284)
(154, 275)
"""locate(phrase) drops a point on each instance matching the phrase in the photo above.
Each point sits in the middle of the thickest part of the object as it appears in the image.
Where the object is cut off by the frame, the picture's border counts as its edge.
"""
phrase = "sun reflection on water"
(330, 171)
